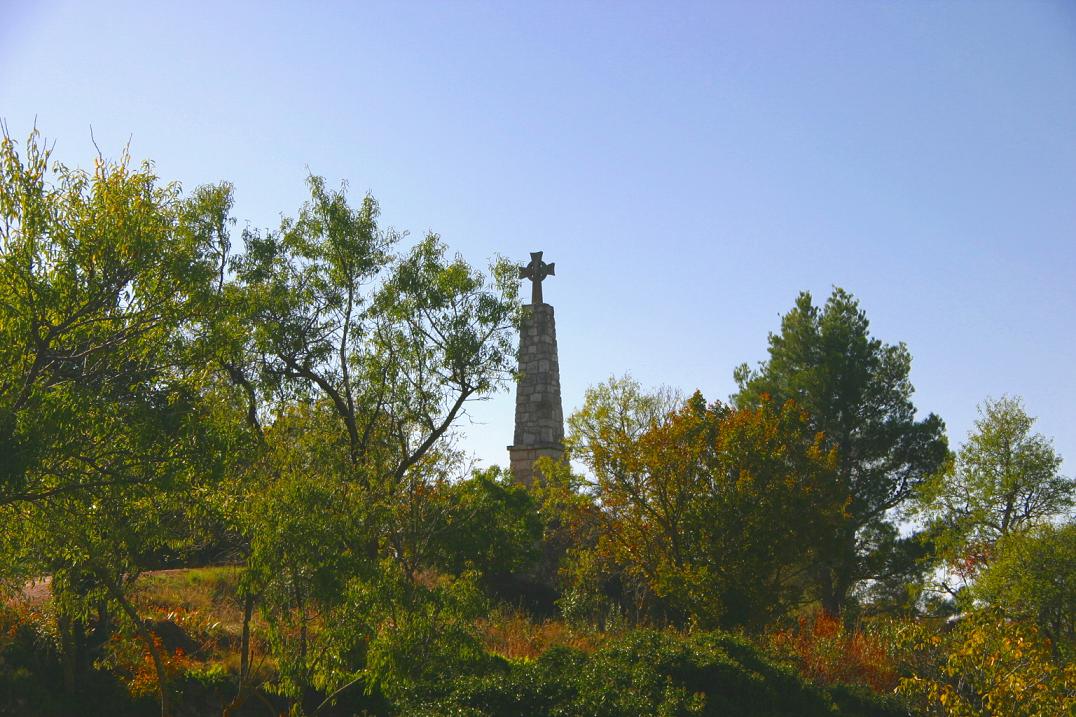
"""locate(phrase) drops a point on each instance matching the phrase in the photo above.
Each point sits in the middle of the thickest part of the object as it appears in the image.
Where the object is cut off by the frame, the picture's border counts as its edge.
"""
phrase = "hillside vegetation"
(230, 483)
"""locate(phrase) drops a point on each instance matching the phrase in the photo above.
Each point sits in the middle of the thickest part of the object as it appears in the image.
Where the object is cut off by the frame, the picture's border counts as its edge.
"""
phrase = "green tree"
(858, 395)
(1033, 578)
(308, 531)
(359, 361)
(1006, 479)
(615, 415)
(109, 432)
(105, 277)
(604, 436)
(397, 344)
(489, 525)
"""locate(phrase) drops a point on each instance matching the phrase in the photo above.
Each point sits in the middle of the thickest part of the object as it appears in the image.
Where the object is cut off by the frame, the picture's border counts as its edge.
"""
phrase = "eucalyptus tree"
(359, 358)
(108, 428)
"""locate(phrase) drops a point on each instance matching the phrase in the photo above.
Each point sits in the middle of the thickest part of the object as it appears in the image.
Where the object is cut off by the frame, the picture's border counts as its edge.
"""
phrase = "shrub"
(1033, 579)
(32, 674)
(648, 672)
(993, 666)
(828, 653)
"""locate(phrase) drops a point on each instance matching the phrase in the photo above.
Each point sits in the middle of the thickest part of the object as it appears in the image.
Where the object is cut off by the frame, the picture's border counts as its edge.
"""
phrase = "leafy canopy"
(1006, 479)
(714, 509)
(857, 394)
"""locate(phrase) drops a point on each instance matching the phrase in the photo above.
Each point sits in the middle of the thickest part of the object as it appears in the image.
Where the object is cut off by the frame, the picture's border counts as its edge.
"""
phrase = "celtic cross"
(536, 271)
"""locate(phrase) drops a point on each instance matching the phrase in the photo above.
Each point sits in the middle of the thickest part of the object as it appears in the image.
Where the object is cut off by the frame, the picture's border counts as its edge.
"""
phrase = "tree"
(714, 509)
(1033, 578)
(615, 415)
(105, 277)
(988, 665)
(858, 395)
(105, 422)
(489, 525)
(1005, 480)
(398, 345)
(376, 354)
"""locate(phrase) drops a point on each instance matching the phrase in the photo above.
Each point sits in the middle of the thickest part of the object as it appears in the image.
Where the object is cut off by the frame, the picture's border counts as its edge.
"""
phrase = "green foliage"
(901, 565)
(298, 402)
(361, 360)
(1033, 579)
(490, 525)
(304, 399)
(1006, 480)
(106, 276)
(615, 415)
(395, 344)
(571, 520)
(425, 635)
(114, 431)
(858, 396)
(645, 672)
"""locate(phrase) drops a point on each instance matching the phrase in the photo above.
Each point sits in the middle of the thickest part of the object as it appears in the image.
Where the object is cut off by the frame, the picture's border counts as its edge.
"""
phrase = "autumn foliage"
(717, 511)
(828, 652)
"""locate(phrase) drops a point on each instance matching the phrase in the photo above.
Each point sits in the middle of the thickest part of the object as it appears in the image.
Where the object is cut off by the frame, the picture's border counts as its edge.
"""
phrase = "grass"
(204, 603)
(212, 589)
(515, 636)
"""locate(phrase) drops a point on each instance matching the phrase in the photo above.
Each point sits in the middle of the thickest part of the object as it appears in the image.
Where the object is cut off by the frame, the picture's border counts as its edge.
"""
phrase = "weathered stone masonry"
(539, 413)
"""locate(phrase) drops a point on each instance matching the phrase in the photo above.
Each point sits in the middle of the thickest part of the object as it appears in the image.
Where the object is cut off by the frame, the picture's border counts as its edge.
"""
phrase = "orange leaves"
(129, 656)
(517, 636)
(716, 508)
(828, 653)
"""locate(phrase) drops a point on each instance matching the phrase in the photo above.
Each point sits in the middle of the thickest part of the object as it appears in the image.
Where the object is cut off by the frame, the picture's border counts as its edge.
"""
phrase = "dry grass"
(204, 603)
(828, 653)
(211, 591)
(515, 636)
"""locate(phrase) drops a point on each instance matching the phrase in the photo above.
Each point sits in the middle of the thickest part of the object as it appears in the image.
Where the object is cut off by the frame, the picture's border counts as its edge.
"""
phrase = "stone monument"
(539, 415)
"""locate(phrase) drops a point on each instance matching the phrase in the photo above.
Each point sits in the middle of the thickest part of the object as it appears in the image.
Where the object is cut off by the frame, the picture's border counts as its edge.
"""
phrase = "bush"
(992, 666)
(647, 672)
(1033, 579)
(32, 675)
(828, 653)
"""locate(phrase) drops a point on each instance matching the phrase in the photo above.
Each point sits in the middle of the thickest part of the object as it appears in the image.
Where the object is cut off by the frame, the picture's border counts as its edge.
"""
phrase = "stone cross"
(536, 271)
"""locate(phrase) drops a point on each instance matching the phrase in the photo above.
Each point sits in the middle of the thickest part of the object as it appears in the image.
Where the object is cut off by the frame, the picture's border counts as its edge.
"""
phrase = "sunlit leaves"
(990, 666)
(1006, 479)
(716, 510)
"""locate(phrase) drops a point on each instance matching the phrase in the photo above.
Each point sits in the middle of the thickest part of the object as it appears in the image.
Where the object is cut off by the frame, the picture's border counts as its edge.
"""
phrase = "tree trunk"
(147, 638)
(827, 593)
(244, 658)
(68, 657)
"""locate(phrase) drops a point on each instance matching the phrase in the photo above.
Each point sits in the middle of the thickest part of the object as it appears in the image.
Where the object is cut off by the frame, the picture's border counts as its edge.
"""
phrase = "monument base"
(522, 461)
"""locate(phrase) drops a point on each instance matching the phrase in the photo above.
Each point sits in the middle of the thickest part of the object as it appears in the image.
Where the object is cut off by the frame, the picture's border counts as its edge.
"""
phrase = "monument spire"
(539, 414)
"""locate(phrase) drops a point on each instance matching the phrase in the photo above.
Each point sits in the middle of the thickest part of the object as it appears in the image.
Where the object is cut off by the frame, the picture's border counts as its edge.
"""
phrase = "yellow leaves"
(993, 666)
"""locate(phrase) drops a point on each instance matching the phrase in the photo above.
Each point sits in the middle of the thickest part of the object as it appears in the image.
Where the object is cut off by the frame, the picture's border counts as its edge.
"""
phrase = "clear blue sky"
(689, 167)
